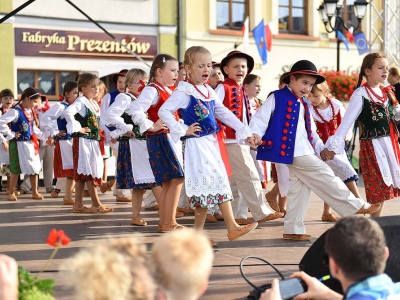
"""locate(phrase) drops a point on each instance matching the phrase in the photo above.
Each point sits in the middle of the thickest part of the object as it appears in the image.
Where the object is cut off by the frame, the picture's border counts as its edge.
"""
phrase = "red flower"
(57, 238)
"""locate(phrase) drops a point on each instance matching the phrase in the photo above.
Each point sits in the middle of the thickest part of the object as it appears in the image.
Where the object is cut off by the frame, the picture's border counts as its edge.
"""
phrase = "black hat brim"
(233, 54)
(319, 77)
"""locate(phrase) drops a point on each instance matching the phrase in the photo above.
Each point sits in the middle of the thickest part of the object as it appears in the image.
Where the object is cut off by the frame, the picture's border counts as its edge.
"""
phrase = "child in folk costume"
(83, 118)
(376, 109)
(54, 125)
(252, 84)
(235, 66)
(23, 135)
(165, 153)
(7, 101)
(133, 167)
(289, 136)
(328, 113)
(119, 80)
(206, 179)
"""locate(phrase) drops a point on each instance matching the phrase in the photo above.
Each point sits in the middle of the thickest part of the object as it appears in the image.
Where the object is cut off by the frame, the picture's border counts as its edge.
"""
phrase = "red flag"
(268, 36)
(349, 35)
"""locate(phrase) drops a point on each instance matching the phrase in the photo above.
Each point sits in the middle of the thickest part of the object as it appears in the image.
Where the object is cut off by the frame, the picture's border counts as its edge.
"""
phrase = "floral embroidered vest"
(89, 120)
(128, 120)
(201, 112)
(374, 120)
(23, 126)
(62, 125)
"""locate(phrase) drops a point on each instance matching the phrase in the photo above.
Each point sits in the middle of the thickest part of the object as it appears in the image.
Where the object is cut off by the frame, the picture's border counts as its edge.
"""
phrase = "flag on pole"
(259, 37)
(349, 35)
(268, 36)
(361, 43)
(343, 38)
(245, 33)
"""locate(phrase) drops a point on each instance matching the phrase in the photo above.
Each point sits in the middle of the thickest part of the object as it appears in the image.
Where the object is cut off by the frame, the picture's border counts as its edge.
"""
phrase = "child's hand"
(5, 145)
(191, 131)
(85, 130)
(327, 154)
(114, 140)
(61, 133)
(49, 141)
(250, 141)
(130, 134)
(17, 134)
(8, 277)
(157, 126)
(254, 140)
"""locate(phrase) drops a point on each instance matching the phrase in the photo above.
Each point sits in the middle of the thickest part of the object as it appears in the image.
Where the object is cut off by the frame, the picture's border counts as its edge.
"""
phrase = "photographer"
(357, 255)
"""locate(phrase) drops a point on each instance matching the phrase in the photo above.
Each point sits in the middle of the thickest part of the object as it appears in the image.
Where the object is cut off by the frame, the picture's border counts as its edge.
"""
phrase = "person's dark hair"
(357, 244)
(32, 94)
(69, 86)
(85, 79)
(283, 76)
(159, 62)
(6, 93)
(250, 78)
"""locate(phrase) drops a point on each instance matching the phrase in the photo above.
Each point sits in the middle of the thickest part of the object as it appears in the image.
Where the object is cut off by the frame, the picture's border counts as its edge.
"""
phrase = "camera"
(291, 287)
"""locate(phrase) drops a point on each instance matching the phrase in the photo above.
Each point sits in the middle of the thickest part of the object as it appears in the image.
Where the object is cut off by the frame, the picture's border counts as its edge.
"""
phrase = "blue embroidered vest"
(62, 125)
(201, 112)
(113, 95)
(280, 136)
(22, 126)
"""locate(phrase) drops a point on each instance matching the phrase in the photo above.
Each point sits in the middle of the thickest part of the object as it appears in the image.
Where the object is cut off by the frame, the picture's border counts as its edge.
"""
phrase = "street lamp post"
(333, 8)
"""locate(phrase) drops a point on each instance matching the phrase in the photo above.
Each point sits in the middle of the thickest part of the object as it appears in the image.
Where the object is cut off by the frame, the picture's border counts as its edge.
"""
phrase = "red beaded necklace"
(28, 117)
(205, 97)
(320, 116)
(371, 92)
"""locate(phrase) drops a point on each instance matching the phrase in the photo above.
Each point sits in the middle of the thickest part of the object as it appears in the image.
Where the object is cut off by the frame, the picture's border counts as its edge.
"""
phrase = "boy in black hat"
(108, 99)
(289, 136)
(235, 67)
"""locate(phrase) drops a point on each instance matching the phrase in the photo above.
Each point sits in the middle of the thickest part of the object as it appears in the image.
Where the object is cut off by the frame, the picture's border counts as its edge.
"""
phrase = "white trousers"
(309, 173)
(246, 180)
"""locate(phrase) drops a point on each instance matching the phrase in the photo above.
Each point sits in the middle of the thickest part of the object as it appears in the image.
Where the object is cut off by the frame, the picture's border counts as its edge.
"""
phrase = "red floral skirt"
(59, 172)
(376, 189)
(81, 177)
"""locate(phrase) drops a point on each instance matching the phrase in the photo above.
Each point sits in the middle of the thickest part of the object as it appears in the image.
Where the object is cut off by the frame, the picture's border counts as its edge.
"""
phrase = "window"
(292, 16)
(231, 13)
(349, 17)
(49, 83)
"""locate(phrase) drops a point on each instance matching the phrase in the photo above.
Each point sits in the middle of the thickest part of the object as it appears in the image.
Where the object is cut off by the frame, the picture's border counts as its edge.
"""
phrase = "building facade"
(297, 31)
(50, 42)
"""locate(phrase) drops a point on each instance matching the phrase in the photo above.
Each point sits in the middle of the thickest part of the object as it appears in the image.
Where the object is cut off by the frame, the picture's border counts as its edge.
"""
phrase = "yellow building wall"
(167, 12)
(6, 49)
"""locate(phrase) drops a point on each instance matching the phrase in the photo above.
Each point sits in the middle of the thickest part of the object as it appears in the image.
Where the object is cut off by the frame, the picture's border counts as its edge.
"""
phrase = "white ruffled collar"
(190, 90)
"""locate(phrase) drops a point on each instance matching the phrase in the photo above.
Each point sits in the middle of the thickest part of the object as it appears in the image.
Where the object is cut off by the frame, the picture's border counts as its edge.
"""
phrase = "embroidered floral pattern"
(375, 188)
(163, 161)
(207, 201)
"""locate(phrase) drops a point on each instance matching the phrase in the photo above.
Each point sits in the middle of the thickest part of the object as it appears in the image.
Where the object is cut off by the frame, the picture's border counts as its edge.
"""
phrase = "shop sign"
(42, 42)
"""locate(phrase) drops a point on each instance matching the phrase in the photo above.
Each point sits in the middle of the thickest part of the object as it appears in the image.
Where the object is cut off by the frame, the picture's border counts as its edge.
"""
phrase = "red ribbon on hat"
(142, 85)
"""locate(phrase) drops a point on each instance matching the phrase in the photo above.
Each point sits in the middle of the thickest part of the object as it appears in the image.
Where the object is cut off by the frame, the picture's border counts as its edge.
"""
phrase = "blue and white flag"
(259, 37)
(343, 38)
(361, 43)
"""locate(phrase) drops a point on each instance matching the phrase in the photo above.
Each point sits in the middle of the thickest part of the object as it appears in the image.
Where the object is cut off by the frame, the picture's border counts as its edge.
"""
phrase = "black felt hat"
(216, 64)
(305, 67)
(114, 77)
(236, 54)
